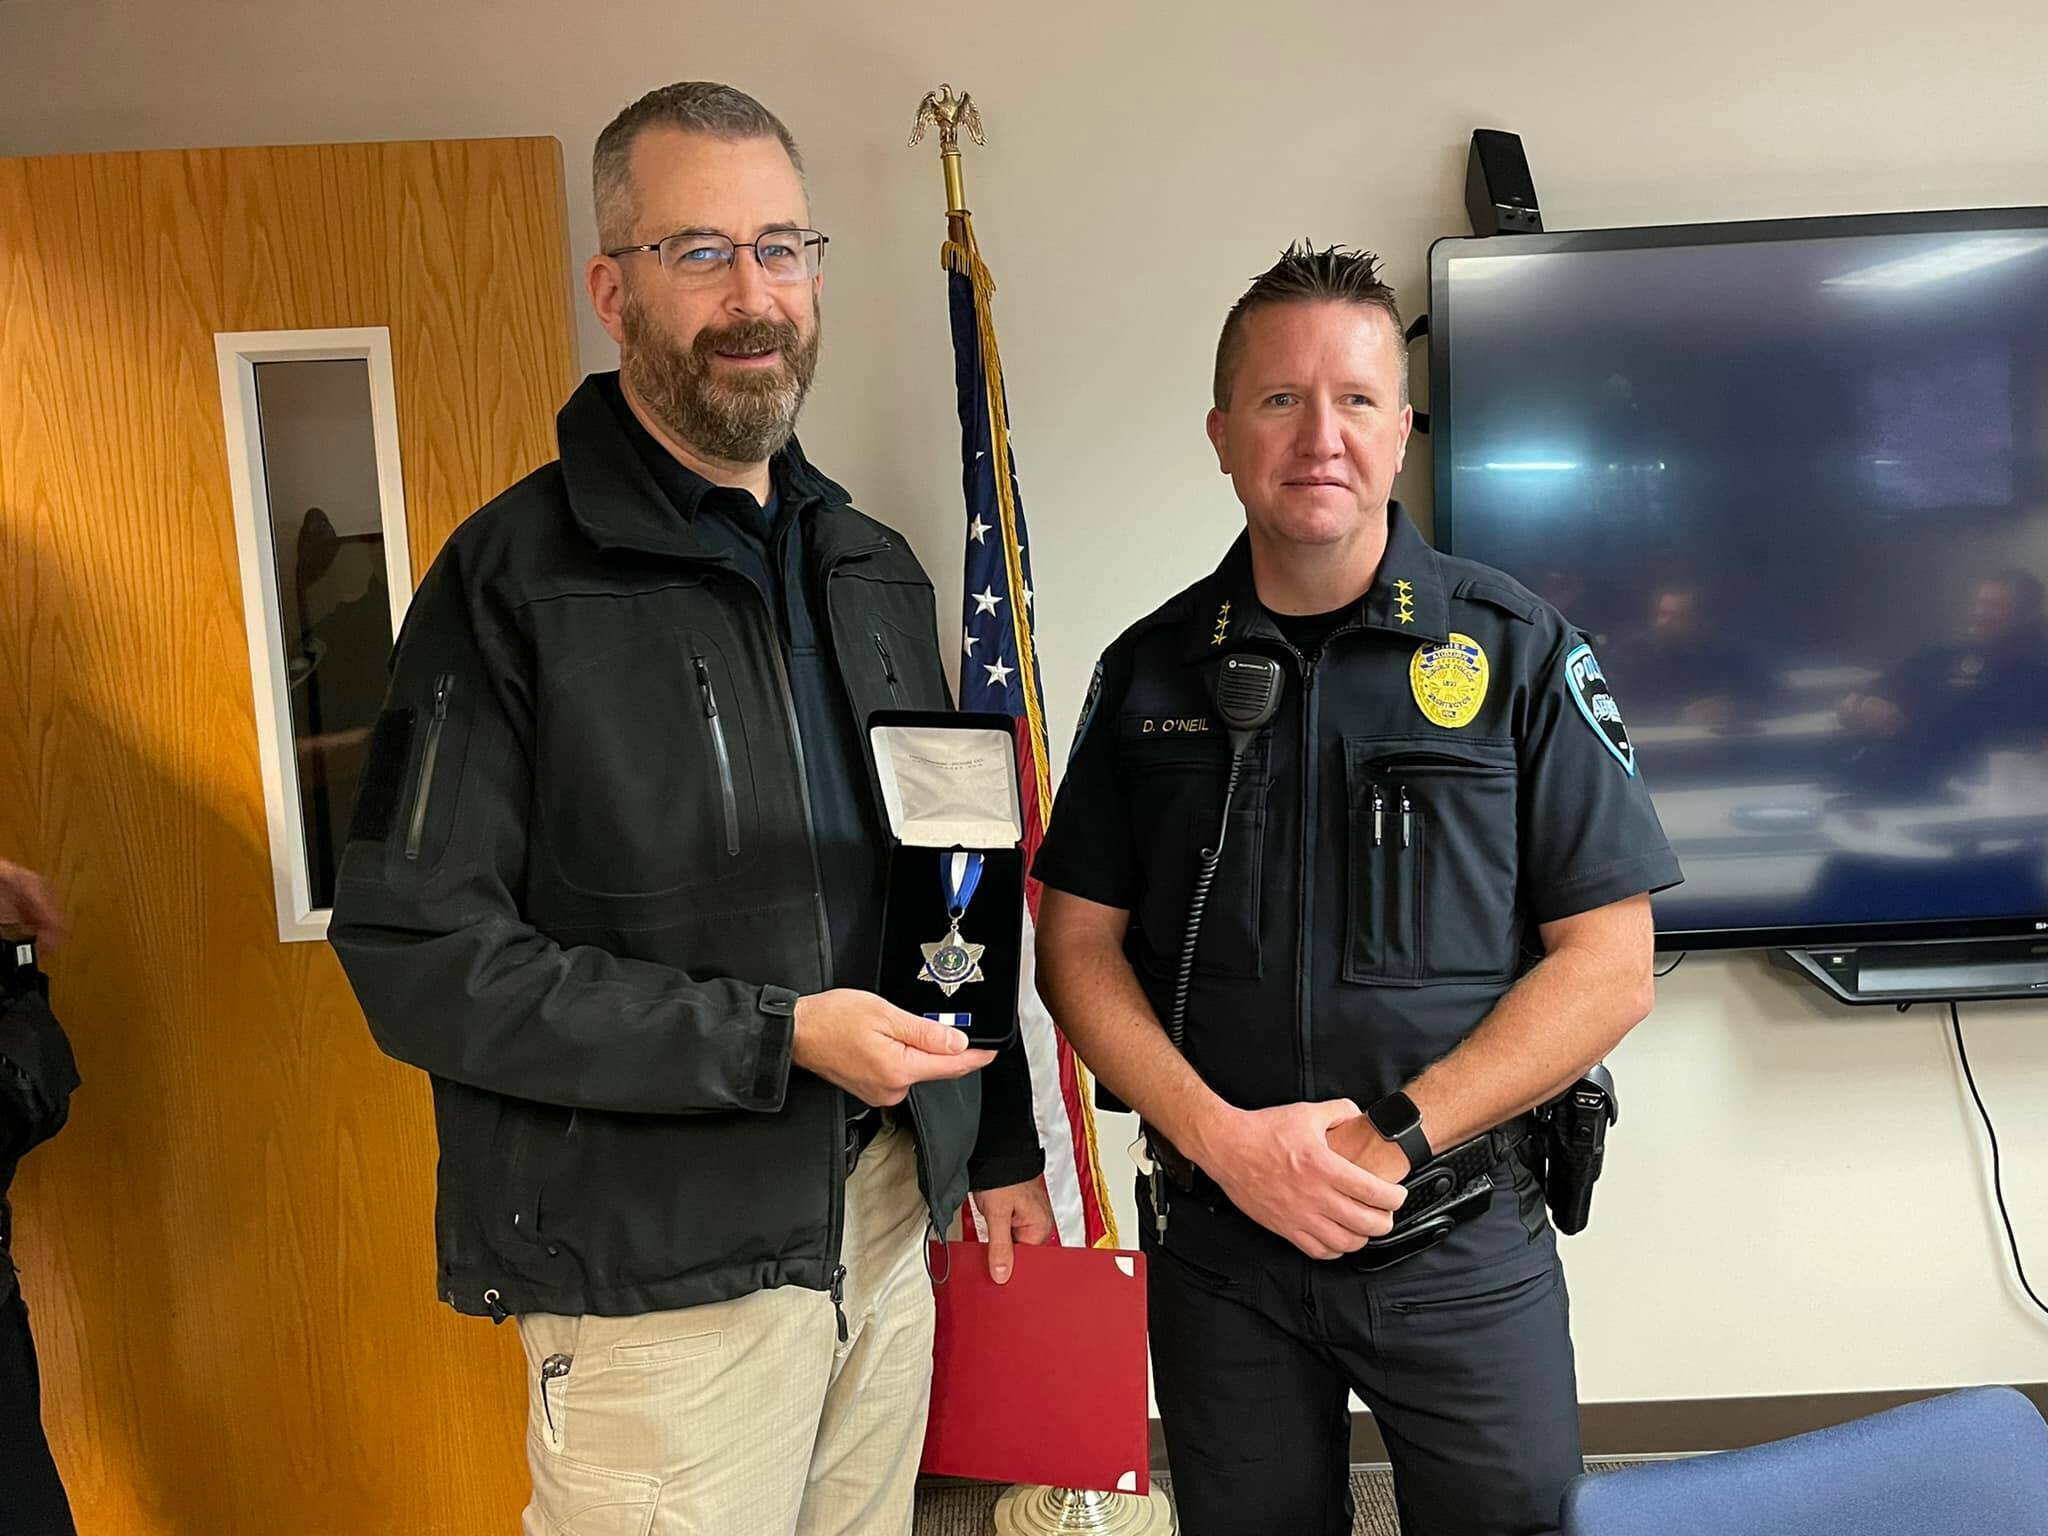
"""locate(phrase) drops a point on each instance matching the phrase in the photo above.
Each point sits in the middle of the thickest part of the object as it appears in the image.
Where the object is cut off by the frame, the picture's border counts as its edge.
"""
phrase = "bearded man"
(614, 883)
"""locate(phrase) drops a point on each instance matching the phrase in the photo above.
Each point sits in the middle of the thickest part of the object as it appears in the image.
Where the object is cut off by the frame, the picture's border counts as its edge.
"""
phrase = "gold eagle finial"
(950, 114)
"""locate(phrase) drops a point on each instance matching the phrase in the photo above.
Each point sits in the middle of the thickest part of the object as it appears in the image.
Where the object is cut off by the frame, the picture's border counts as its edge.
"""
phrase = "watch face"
(1395, 1114)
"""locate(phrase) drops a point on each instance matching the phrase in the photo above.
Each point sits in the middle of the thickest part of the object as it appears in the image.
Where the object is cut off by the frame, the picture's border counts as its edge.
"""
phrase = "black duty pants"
(1463, 1353)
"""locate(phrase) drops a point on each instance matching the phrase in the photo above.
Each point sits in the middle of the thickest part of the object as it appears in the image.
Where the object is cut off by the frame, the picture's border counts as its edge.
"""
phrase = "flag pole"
(1023, 1510)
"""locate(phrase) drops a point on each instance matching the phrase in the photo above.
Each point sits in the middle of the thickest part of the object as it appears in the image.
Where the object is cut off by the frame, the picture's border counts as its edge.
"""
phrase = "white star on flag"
(1030, 597)
(970, 639)
(999, 674)
(985, 600)
(978, 531)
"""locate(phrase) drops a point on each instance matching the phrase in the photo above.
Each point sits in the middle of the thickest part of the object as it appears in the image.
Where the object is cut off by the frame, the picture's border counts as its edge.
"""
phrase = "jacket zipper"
(718, 748)
(837, 1235)
(888, 670)
(423, 793)
(796, 747)
(924, 1171)
(836, 1141)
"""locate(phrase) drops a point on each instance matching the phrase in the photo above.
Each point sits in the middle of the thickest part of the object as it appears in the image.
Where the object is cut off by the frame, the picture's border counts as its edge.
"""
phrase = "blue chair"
(1971, 1463)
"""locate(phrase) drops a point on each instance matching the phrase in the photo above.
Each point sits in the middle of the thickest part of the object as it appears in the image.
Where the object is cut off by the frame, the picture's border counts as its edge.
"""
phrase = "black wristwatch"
(1396, 1118)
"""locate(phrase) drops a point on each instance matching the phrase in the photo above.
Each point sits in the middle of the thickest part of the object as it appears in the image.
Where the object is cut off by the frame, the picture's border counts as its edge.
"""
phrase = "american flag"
(999, 673)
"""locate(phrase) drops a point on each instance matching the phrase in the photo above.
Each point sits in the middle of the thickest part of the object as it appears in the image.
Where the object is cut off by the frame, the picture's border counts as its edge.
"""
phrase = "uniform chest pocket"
(1176, 807)
(646, 765)
(1432, 865)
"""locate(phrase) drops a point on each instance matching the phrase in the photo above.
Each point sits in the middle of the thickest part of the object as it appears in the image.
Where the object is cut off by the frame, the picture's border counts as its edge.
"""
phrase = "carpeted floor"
(964, 1509)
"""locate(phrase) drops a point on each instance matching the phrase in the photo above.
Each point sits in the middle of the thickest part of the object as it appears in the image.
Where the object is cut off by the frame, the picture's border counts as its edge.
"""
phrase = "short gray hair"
(693, 106)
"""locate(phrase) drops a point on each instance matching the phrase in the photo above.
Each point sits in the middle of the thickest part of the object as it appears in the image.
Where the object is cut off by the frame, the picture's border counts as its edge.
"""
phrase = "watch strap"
(1396, 1118)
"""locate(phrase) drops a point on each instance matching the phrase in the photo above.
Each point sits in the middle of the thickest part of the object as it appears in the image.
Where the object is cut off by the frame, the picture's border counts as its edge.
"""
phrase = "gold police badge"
(1449, 681)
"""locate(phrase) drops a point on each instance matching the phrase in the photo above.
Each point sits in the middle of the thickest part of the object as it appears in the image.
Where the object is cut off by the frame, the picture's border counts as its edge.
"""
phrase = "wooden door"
(228, 1253)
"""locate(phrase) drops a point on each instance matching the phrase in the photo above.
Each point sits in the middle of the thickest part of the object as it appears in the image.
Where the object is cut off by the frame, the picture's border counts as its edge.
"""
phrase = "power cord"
(1955, 1017)
(1674, 965)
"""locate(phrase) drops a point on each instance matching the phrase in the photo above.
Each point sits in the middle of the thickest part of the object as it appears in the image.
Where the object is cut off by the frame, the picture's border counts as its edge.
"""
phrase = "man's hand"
(1278, 1167)
(874, 1050)
(1014, 1213)
(26, 902)
(1359, 1141)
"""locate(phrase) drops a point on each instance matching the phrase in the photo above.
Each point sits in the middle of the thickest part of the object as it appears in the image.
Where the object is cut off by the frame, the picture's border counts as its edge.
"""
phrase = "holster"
(1174, 1163)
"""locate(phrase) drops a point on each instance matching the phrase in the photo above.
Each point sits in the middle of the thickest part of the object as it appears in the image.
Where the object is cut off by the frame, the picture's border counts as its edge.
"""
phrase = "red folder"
(1041, 1380)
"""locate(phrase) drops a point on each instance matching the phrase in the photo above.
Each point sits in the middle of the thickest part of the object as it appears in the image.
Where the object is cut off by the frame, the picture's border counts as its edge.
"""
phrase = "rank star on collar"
(1404, 602)
(1222, 624)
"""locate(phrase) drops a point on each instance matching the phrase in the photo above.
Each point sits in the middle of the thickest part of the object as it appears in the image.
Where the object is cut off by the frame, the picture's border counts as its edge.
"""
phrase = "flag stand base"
(1027, 1511)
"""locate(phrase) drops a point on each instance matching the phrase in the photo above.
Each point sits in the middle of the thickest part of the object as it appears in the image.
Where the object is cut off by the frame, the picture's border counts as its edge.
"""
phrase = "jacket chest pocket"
(885, 637)
(647, 764)
(1432, 861)
(906, 667)
(1176, 809)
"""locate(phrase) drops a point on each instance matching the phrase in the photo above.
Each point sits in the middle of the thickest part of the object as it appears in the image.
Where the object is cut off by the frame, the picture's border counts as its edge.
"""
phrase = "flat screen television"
(1791, 478)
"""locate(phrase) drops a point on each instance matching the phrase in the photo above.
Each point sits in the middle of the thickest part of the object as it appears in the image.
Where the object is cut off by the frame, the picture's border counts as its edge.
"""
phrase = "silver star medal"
(952, 962)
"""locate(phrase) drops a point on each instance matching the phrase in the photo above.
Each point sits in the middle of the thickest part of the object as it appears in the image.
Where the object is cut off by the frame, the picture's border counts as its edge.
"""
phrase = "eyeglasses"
(700, 258)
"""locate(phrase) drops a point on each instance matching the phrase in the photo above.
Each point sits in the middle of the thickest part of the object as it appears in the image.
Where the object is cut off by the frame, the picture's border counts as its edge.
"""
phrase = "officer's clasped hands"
(1278, 1167)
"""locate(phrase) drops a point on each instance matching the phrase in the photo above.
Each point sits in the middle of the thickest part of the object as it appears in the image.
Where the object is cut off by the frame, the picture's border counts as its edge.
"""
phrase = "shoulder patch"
(1588, 688)
(1508, 599)
(1087, 711)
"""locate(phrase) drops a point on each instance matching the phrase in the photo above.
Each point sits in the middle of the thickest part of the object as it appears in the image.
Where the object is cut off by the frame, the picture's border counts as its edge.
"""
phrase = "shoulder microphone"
(1248, 692)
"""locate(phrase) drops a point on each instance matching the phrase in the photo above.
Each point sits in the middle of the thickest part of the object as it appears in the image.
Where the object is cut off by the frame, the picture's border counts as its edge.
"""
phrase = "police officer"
(1432, 900)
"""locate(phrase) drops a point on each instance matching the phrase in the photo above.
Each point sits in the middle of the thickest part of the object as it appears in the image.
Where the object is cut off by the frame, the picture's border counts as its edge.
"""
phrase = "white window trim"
(238, 353)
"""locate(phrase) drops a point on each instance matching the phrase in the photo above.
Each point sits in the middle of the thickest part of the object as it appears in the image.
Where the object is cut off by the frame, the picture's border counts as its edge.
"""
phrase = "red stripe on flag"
(1072, 1109)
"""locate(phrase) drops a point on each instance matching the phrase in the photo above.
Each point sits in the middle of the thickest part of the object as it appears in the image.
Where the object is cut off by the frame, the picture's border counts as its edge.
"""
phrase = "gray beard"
(743, 420)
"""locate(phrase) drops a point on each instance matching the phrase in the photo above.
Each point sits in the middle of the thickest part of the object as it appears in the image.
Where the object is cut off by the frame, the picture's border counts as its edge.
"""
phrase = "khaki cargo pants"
(746, 1417)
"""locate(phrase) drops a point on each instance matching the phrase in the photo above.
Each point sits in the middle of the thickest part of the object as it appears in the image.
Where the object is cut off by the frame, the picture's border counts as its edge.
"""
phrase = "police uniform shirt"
(1448, 772)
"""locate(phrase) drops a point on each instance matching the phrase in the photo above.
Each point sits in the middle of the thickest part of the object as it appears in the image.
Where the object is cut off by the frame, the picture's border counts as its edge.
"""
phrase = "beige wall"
(1796, 1197)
